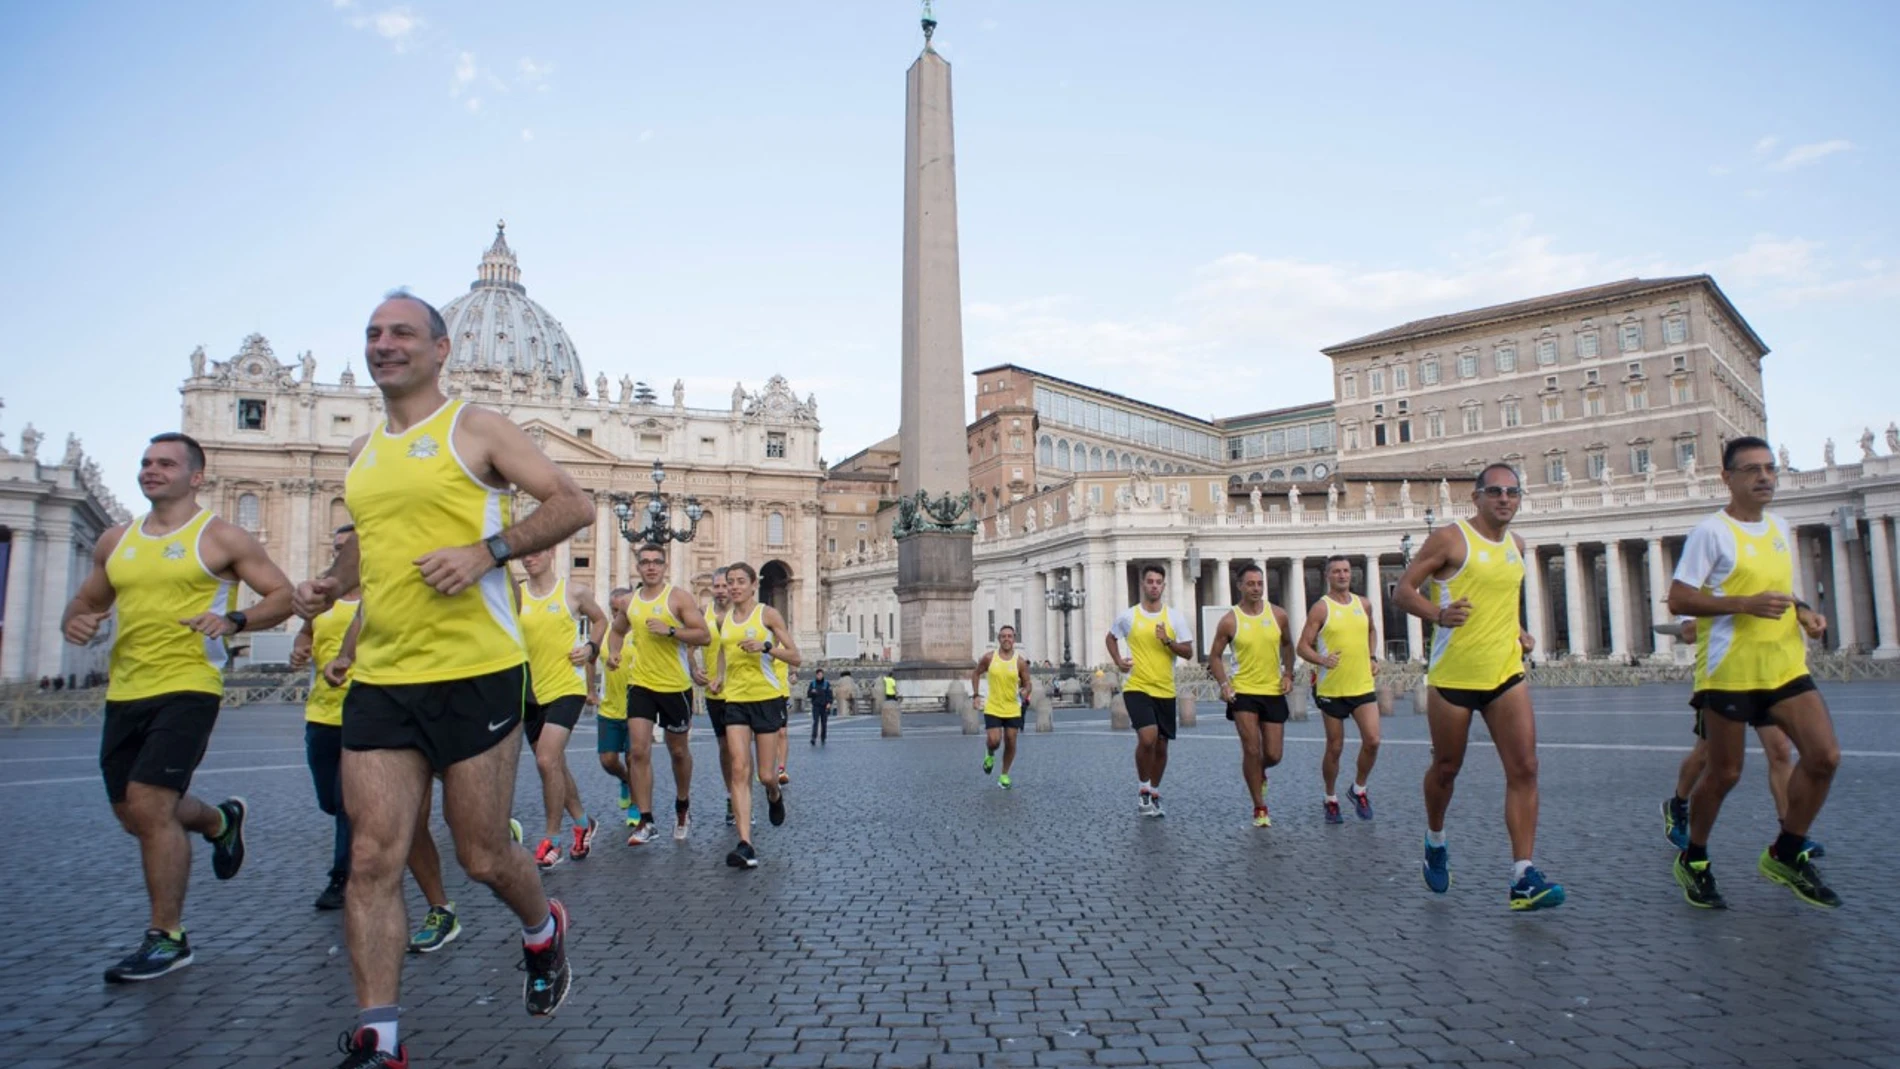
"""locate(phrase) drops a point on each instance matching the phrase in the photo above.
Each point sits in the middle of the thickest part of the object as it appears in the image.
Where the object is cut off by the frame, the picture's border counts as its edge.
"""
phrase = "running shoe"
(626, 795)
(729, 813)
(775, 808)
(514, 829)
(361, 1052)
(989, 763)
(784, 777)
(1438, 868)
(332, 896)
(642, 834)
(227, 847)
(1532, 891)
(547, 855)
(1332, 813)
(1814, 850)
(1156, 810)
(157, 955)
(584, 840)
(682, 825)
(1676, 822)
(1801, 877)
(1260, 817)
(1361, 803)
(743, 856)
(1003, 781)
(548, 975)
(439, 928)
(1147, 806)
(1697, 881)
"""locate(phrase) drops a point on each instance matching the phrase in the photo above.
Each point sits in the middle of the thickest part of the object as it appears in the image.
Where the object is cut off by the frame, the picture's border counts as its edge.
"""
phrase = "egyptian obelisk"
(935, 573)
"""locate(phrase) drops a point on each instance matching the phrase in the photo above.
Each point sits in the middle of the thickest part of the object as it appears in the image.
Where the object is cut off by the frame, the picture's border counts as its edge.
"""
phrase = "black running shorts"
(449, 721)
(671, 709)
(1148, 711)
(157, 741)
(1752, 707)
(1478, 700)
(763, 718)
(716, 714)
(563, 712)
(1270, 708)
(1002, 723)
(1342, 708)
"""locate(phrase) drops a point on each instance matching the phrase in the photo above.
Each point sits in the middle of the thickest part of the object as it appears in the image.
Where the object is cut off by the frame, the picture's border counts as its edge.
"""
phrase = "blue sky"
(1182, 207)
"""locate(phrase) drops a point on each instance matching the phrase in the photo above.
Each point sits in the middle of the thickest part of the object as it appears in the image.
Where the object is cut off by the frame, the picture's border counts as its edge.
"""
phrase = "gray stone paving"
(911, 914)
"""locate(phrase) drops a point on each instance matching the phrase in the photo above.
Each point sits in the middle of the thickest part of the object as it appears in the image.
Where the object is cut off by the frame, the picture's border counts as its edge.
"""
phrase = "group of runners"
(434, 662)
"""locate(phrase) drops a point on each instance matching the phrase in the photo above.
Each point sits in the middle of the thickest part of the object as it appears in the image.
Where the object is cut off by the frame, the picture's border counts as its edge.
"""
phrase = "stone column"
(1846, 629)
(22, 565)
(1224, 582)
(1619, 598)
(1536, 613)
(1296, 589)
(54, 551)
(1573, 601)
(604, 538)
(1375, 594)
(1803, 583)
(1659, 579)
(1036, 621)
(1881, 547)
(301, 492)
(1415, 638)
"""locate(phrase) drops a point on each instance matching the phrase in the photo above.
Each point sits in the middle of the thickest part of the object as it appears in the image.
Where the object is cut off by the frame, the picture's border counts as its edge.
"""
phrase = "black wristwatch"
(498, 548)
(238, 621)
(768, 646)
(671, 632)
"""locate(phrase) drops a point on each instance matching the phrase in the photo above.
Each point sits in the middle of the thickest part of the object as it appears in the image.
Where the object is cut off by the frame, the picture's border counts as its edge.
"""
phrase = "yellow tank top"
(751, 677)
(410, 495)
(158, 581)
(1483, 652)
(660, 663)
(1005, 686)
(1346, 632)
(1742, 652)
(1256, 648)
(1153, 673)
(551, 633)
(326, 641)
(613, 695)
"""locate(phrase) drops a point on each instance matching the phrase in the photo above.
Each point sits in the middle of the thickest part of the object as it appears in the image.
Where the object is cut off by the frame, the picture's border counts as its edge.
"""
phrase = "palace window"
(1506, 359)
(1637, 397)
(1587, 345)
(1428, 372)
(1401, 377)
(775, 529)
(249, 513)
(1553, 409)
(1546, 352)
(775, 444)
(1467, 365)
(1474, 419)
(1434, 424)
(1639, 459)
(1508, 410)
(1675, 330)
(1629, 337)
(1682, 390)
(1597, 463)
(1685, 453)
(1375, 380)
(1554, 469)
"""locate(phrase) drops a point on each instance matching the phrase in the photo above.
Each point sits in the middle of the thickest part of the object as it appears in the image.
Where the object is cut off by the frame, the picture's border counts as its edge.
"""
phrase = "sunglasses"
(1502, 491)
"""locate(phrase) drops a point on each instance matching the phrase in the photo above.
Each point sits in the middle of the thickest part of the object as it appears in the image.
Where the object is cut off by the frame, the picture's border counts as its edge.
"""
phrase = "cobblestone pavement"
(912, 914)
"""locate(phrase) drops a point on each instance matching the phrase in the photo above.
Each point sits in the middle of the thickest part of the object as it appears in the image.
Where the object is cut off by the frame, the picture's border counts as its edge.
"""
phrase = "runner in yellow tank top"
(439, 677)
(755, 660)
(556, 619)
(172, 575)
(610, 720)
(1256, 693)
(1477, 569)
(705, 659)
(1342, 640)
(665, 625)
(1006, 672)
(319, 642)
(1155, 638)
(1736, 576)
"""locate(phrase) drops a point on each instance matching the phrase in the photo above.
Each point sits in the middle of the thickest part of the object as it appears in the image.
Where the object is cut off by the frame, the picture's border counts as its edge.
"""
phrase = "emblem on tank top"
(174, 551)
(424, 448)
(1748, 550)
(551, 607)
(1484, 556)
(130, 552)
(1780, 546)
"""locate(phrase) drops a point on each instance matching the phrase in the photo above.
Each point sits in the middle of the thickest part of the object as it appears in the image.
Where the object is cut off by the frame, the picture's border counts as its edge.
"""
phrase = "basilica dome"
(495, 327)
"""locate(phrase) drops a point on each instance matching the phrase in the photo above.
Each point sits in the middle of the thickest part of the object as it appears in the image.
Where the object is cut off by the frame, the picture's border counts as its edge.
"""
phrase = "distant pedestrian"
(818, 693)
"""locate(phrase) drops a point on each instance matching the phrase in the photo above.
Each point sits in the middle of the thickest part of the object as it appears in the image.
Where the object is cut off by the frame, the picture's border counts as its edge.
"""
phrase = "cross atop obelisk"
(935, 572)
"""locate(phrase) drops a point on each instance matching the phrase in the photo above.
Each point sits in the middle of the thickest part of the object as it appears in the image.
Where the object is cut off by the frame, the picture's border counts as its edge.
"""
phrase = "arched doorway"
(775, 589)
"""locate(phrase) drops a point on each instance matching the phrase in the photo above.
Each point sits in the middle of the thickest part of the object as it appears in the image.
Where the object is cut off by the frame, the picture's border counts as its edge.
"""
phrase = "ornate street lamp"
(1065, 600)
(657, 517)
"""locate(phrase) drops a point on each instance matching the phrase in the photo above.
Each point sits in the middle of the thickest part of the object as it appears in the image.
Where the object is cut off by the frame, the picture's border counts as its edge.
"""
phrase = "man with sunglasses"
(1476, 568)
(1736, 576)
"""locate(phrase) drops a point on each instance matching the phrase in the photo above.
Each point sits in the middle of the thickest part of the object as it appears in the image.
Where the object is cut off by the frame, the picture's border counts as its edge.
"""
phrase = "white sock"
(1155, 787)
(1359, 788)
(1434, 838)
(1143, 784)
(541, 935)
(383, 1020)
(1333, 799)
(1518, 869)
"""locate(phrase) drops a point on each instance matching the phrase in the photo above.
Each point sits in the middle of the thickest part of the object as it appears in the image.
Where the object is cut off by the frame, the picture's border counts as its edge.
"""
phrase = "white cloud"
(474, 103)
(646, 135)
(464, 73)
(1766, 145)
(397, 25)
(340, 4)
(527, 135)
(1802, 155)
(1769, 260)
(532, 74)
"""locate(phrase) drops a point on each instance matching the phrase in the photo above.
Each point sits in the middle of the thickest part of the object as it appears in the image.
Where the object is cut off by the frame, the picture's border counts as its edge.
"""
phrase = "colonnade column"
(1536, 613)
(1659, 578)
(1619, 598)
(1375, 594)
(1845, 629)
(1224, 582)
(1296, 590)
(602, 558)
(1882, 574)
(1573, 601)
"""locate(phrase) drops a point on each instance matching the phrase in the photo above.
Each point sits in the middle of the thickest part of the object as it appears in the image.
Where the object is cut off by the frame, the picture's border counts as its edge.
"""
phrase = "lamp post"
(656, 519)
(1065, 600)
